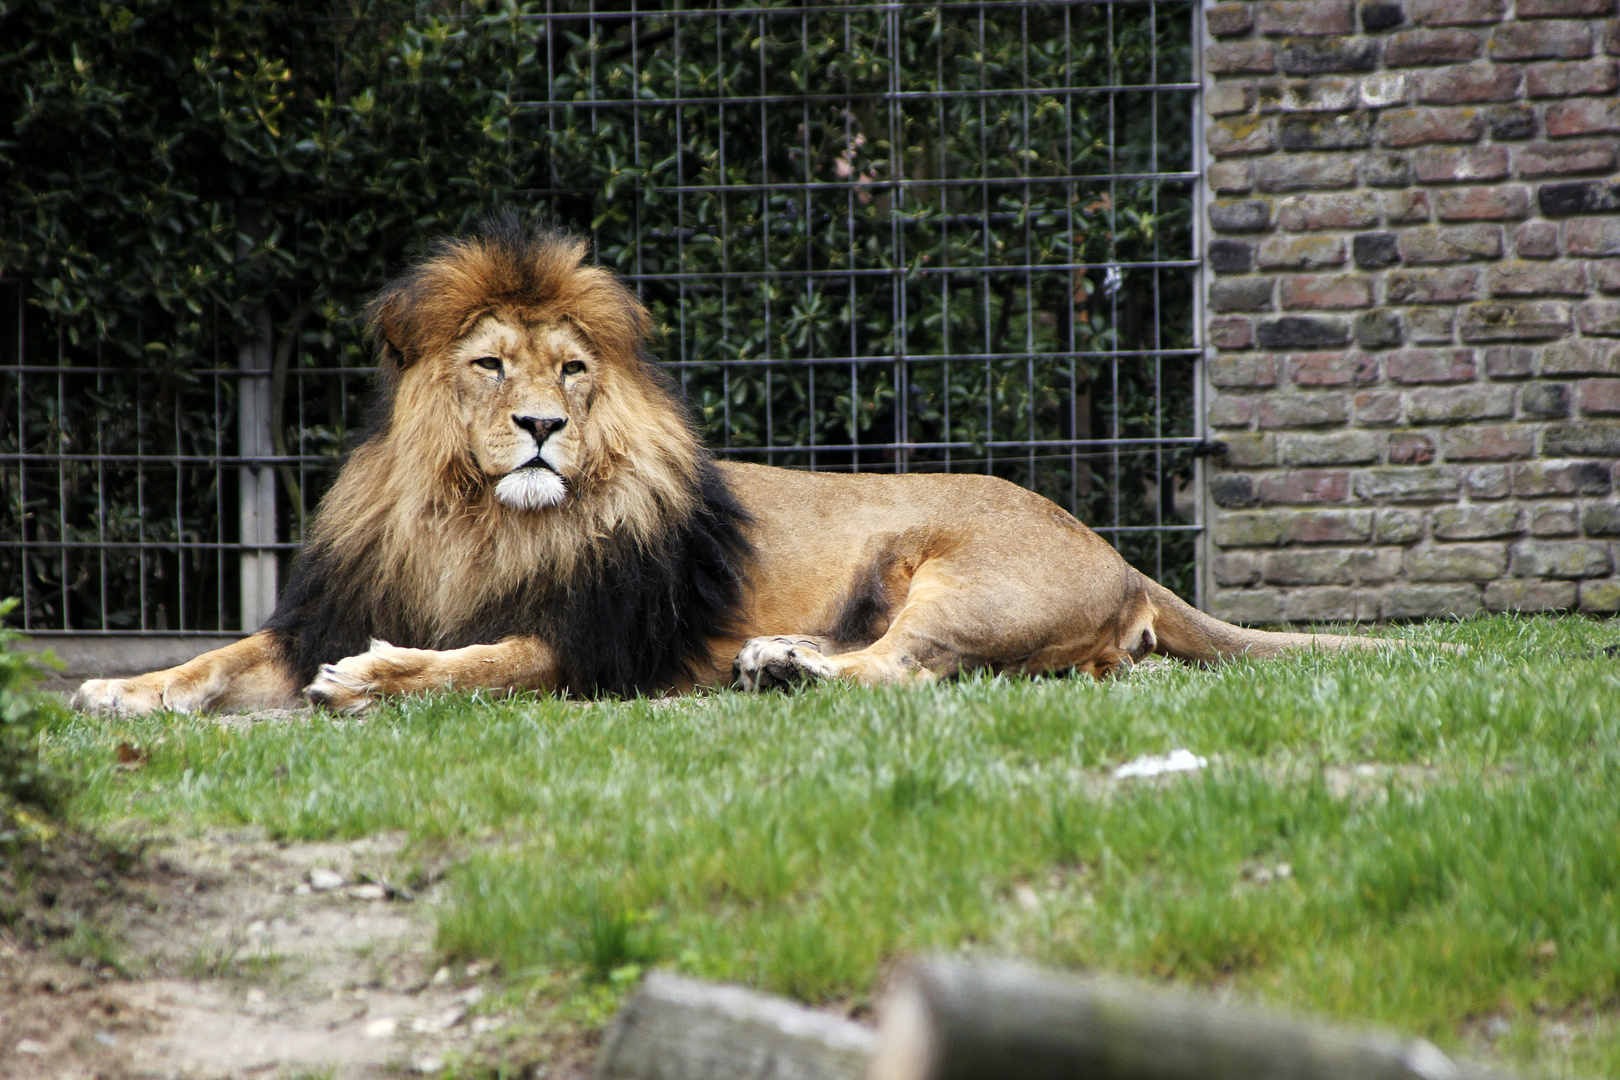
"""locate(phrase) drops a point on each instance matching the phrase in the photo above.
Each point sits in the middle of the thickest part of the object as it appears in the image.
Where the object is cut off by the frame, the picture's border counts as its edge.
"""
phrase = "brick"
(1240, 135)
(1600, 397)
(1234, 491)
(1247, 607)
(1431, 326)
(1560, 559)
(1563, 159)
(1413, 127)
(1350, 131)
(1304, 487)
(1231, 332)
(1509, 202)
(1528, 596)
(1392, 526)
(1240, 215)
(1430, 602)
(1228, 99)
(1301, 332)
(1472, 522)
(1324, 57)
(1459, 243)
(1447, 164)
(1250, 450)
(1327, 93)
(1456, 12)
(1240, 294)
(1339, 448)
(1381, 89)
(1338, 210)
(1235, 568)
(1566, 79)
(1522, 320)
(1536, 240)
(1592, 236)
(1240, 58)
(1307, 17)
(1562, 478)
(1602, 519)
(1378, 407)
(1300, 252)
(1412, 48)
(1600, 596)
(1380, 329)
(1229, 20)
(1228, 411)
(1405, 484)
(1380, 15)
(1485, 482)
(1329, 566)
(1599, 317)
(1325, 292)
(1231, 177)
(1541, 9)
(1247, 528)
(1410, 448)
(1374, 251)
(1430, 366)
(1545, 401)
(1332, 369)
(1509, 361)
(1510, 122)
(1431, 286)
(1230, 256)
(1305, 173)
(1385, 170)
(1541, 41)
(1327, 526)
(1407, 207)
(1607, 275)
(1583, 116)
(1581, 357)
(1451, 404)
(1536, 279)
(1468, 84)
(1583, 438)
(1329, 603)
(1302, 410)
(1456, 562)
(1579, 197)
(1242, 372)
(1489, 442)
(1554, 519)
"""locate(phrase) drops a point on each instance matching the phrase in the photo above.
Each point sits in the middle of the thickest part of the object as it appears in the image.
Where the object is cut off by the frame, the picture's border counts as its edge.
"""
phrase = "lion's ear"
(386, 322)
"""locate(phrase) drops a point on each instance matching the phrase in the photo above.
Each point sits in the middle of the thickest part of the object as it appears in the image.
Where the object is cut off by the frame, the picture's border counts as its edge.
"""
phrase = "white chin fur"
(531, 489)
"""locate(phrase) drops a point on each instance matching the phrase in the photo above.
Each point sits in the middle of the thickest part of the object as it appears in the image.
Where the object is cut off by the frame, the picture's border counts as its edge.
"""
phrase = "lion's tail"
(1188, 634)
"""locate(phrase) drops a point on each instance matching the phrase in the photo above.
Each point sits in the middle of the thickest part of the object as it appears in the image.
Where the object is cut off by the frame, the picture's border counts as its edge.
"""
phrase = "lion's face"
(524, 393)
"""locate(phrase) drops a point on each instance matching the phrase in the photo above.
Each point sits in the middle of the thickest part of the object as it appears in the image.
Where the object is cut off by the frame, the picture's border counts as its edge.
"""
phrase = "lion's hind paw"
(767, 662)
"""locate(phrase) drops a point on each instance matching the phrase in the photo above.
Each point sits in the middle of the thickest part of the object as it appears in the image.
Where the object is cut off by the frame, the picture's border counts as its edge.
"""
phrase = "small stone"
(427, 1066)
(324, 880)
(440, 977)
(1027, 899)
(369, 891)
(381, 1028)
(437, 1022)
(30, 1046)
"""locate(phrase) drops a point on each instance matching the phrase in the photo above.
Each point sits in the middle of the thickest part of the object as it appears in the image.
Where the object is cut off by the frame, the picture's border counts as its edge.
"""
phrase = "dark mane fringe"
(634, 621)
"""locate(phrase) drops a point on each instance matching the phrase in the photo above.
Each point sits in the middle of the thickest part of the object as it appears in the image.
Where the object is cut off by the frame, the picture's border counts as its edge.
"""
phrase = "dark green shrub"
(23, 712)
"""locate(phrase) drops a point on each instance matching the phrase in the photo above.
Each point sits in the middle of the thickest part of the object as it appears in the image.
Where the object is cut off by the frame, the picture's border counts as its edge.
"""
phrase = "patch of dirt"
(214, 956)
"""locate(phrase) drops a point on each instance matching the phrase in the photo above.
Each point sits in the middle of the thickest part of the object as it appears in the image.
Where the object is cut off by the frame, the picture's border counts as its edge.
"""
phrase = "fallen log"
(951, 1019)
(681, 1029)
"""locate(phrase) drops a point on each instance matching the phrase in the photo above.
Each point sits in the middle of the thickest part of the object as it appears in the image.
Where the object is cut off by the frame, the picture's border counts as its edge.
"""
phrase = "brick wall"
(1413, 307)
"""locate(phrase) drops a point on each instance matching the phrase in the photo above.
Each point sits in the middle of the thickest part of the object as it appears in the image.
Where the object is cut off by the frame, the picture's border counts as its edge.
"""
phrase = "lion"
(532, 510)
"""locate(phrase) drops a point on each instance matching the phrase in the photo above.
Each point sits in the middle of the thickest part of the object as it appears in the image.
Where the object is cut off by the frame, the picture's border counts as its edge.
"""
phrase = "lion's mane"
(627, 580)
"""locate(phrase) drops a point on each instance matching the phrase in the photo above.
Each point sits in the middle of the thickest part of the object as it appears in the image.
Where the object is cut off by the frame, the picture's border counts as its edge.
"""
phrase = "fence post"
(257, 508)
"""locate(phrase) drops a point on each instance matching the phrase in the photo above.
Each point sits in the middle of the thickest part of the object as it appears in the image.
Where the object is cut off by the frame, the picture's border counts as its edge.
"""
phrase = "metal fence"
(879, 237)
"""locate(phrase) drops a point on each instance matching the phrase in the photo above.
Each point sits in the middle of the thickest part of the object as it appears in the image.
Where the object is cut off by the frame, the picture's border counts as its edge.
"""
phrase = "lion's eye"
(573, 367)
(488, 363)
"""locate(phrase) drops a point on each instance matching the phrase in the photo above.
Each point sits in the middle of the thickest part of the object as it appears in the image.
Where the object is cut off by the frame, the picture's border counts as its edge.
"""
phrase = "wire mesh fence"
(877, 236)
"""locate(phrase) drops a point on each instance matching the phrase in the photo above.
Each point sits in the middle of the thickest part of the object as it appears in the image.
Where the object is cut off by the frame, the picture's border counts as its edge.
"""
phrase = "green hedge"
(169, 169)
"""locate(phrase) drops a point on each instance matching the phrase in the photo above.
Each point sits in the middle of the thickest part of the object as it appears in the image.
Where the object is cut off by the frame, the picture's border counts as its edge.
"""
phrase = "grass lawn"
(1421, 839)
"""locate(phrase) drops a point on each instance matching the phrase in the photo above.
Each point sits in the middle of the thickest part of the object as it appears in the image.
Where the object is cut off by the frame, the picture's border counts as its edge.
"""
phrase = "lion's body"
(532, 511)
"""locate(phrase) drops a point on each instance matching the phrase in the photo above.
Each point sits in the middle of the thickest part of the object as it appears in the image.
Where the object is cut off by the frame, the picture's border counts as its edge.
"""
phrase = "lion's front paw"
(139, 696)
(779, 661)
(356, 683)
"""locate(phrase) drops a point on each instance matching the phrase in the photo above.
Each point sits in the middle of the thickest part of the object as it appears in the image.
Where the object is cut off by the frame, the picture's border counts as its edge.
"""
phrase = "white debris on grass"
(1177, 760)
(324, 880)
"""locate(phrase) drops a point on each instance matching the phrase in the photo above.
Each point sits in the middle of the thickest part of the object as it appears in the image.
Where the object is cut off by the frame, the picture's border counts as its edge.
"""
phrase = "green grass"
(800, 843)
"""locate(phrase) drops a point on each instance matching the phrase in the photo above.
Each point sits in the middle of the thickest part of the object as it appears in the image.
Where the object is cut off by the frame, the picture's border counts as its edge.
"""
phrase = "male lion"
(532, 511)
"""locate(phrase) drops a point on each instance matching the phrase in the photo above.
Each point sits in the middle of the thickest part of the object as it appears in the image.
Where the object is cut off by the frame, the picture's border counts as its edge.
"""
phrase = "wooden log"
(950, 1019)
(682, 1029)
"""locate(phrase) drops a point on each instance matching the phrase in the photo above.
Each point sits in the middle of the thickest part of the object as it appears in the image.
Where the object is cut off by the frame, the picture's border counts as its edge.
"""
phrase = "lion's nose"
(541, 427)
